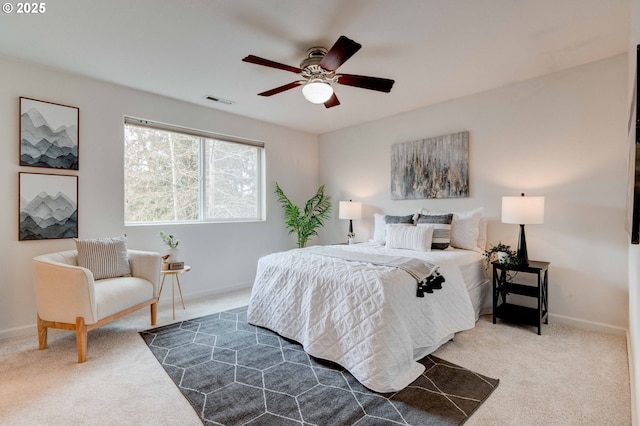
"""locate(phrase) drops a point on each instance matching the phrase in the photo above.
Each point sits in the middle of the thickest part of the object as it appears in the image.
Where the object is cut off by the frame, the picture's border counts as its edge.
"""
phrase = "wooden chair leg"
(154, 313)
(81, 339)
(42, 334)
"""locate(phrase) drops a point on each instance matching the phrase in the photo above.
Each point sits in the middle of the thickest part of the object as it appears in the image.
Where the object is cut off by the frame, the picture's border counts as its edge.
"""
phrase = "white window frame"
(201, 134)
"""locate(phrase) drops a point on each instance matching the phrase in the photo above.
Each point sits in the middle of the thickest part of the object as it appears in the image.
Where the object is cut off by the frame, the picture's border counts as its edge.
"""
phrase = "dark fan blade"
(342, 50)
(365, 82)
(281, 88)
(333, 101)
(267, 63)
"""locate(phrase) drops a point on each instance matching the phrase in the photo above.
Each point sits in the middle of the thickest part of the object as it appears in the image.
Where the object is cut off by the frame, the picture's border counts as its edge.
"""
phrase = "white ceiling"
(435, 50)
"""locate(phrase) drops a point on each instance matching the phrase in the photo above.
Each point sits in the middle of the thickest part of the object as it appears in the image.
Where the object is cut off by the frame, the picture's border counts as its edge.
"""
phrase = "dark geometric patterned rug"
(234, 373)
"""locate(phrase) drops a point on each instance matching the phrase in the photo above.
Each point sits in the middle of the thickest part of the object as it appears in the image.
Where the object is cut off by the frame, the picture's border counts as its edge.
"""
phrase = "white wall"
(223, 256)
(562, 136)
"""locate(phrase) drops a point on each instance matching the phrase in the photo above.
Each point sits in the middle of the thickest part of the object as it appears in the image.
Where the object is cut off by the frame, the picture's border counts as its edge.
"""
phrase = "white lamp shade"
(523, 210)
(317, 92)
(350, 210)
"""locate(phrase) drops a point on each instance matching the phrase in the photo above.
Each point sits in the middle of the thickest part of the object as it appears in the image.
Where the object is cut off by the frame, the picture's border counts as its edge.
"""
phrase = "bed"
(367, 317)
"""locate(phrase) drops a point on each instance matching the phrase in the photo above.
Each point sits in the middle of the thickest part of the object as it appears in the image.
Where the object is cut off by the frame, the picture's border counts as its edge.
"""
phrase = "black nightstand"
(517, 313)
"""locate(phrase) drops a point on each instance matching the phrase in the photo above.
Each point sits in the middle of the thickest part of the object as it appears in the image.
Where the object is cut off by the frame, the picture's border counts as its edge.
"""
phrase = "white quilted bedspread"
(366, 318)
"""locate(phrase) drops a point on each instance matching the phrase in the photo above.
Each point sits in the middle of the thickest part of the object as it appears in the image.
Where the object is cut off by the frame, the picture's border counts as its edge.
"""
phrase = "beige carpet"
(566, 376)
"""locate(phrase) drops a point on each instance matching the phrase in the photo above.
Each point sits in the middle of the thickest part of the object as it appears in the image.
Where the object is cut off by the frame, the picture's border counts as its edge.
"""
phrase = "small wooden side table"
(174, 278)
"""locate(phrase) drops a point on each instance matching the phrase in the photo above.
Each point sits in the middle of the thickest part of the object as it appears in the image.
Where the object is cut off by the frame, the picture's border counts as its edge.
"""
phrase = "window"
(172, 174)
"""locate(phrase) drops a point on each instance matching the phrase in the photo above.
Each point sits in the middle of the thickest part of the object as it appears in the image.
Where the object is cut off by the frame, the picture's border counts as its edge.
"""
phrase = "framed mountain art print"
(48, 206)
(48, 134)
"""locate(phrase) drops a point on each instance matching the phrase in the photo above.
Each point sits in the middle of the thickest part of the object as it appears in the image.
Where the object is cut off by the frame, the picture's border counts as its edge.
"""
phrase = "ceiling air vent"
(217, 99)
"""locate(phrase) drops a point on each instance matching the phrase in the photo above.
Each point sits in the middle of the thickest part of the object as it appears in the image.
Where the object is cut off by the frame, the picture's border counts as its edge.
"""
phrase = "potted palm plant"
(305, 222)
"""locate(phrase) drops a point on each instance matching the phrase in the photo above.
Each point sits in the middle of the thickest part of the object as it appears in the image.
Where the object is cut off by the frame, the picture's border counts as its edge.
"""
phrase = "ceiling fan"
(319, 72)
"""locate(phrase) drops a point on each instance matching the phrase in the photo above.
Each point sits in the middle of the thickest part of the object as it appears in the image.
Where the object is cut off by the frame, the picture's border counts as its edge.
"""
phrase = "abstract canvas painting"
(48, 134)
(48, 206)
(436, 167)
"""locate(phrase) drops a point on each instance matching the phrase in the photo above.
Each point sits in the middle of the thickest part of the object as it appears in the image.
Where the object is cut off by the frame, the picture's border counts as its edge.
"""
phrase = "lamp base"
(351, 237)
(522, 248)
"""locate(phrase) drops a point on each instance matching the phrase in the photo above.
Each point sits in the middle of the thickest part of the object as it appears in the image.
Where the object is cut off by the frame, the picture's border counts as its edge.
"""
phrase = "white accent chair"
(67, 296)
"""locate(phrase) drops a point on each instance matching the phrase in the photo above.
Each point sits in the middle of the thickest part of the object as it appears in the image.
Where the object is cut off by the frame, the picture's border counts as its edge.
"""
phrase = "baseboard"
(589, 325)
(216, 291)
(632, 381)
(25, 330)
(165, 300)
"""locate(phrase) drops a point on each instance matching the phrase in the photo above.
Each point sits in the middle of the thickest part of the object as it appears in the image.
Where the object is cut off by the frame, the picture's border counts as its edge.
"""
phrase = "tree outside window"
(173, 176)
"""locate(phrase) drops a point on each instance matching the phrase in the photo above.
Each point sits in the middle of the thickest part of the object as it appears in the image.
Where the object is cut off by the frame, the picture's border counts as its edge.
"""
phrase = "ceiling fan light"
(317, 92)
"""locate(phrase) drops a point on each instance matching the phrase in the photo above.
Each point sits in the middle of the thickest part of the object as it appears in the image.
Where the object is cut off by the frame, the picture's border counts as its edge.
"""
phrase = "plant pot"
(174, 255)
(502, 257)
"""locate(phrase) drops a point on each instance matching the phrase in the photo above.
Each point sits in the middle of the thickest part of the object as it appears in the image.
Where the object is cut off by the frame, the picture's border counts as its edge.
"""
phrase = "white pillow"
(409, 237)
(104, 257)
(378, 228)
(482, 234)
(465, 229)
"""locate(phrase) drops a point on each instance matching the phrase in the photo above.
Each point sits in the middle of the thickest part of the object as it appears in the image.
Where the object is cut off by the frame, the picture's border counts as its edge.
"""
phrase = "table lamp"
(523, 211)
(350, 210)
